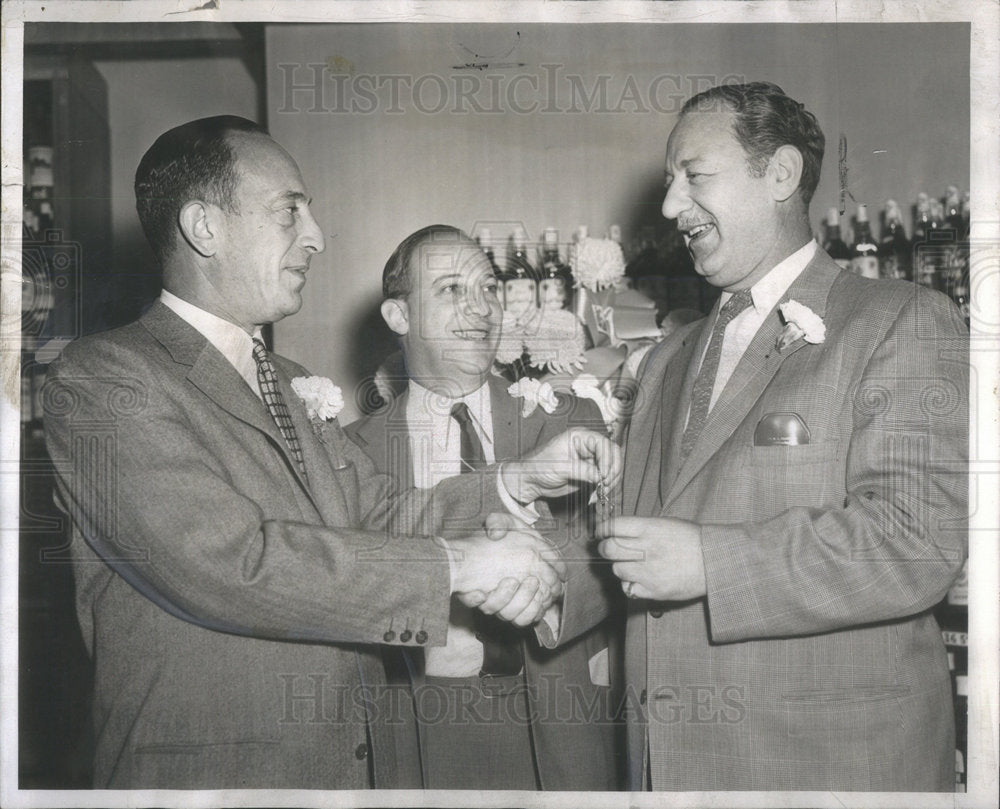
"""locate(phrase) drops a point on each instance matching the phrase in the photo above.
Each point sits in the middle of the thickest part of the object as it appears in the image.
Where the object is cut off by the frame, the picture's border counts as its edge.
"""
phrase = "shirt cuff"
(450, 553)
(527, 513)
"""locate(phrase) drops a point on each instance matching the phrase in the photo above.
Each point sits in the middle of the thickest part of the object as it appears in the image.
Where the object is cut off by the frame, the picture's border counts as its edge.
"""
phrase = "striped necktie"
(267, 379)
(704, 383)
(502, 655)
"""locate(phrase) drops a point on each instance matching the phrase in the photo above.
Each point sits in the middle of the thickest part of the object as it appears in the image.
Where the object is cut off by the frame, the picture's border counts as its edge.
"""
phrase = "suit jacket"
(813, 663)
(232, 609)
(572, 727)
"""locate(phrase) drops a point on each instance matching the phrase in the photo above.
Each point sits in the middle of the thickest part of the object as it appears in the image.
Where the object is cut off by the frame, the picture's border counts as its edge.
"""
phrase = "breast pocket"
(809, 475)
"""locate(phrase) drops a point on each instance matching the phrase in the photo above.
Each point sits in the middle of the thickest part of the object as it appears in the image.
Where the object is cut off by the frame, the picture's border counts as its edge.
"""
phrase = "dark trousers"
(475, 733)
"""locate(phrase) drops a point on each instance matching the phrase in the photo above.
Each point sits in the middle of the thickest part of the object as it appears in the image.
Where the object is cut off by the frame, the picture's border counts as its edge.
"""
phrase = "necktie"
(704, 383)
(502, 654)
(267, 379)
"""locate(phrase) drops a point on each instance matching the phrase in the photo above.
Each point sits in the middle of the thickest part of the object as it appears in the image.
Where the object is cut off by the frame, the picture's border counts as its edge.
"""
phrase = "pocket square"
(781, 429)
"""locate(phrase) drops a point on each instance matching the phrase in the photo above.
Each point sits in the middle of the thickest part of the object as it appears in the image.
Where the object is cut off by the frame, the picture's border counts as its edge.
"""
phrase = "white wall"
(146, 98)
(898, 92)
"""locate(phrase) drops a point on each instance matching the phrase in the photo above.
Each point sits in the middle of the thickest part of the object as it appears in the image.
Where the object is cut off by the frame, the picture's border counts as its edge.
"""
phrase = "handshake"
(510, 570)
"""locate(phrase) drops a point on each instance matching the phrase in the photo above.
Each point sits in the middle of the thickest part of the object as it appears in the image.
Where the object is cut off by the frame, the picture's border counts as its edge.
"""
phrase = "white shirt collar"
(231, 341)
(426, 407)
(769, 289)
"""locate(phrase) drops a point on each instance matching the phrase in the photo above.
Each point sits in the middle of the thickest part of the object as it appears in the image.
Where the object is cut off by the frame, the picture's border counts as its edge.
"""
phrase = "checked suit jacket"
(233, 610)
(573, 727)
(814, 662)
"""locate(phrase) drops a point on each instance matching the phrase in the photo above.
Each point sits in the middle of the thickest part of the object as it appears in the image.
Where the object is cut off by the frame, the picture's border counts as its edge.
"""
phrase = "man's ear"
(396, 314)
(786, 171)
(198, 226)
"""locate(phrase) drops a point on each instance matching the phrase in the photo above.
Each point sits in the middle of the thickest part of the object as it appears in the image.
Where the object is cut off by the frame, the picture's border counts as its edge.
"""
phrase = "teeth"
(698, 230)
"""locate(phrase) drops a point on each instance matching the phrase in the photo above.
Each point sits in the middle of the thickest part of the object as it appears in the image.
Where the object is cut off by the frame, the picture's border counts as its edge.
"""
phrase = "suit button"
(421, 637)
(479, 637)
(642, 697)
(656, 613)
(405, 635)
(361, 752)
(389, 636)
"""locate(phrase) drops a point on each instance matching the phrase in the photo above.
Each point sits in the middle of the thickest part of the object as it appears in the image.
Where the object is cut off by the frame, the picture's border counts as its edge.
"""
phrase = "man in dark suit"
(494, 709)
(237, 559)
(795, 491)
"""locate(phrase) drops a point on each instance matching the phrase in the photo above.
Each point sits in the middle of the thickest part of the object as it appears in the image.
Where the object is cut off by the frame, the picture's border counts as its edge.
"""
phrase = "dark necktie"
(704, 383)
(501, 642)
(267, 379)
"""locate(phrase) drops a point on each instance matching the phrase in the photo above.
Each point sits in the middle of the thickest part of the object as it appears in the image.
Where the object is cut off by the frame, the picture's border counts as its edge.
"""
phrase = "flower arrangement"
(597, 264)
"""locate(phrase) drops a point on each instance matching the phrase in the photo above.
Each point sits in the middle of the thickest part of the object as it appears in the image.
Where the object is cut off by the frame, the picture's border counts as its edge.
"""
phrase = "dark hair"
(191, 161)
(397, 278)
(767, 119)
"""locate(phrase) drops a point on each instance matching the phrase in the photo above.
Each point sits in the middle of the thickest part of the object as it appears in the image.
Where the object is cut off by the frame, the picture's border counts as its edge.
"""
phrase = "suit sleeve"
(592, 594)
(141, 483)
(900, 537)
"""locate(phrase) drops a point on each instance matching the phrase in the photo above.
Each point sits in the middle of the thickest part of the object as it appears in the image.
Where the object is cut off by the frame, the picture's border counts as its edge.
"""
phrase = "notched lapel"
(643, 460)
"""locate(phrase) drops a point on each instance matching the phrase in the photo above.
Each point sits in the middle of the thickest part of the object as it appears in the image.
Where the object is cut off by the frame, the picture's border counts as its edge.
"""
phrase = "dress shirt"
(764, 295)
(436, 452)
(436, 438)
(231, 341)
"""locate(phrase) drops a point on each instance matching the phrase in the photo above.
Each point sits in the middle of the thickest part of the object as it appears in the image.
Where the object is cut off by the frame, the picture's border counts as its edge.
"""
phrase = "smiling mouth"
(472, 334)
(695, 232)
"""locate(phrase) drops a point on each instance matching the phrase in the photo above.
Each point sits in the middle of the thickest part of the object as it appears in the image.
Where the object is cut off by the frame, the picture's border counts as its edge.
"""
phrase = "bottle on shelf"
(953, 211)
(924, 269)
(894, 251)
(833, 243)
(864, 252)
(555, 285)
(484, 238)
(966, 217)
(519, 278)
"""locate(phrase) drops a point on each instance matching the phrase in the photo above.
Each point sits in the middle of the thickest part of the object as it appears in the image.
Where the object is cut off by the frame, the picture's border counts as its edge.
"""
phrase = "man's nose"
(676, 199)
(476, 303)
(311, 235)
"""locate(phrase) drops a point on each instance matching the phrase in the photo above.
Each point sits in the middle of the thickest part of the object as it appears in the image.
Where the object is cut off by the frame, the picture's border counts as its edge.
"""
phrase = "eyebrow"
(293, 196)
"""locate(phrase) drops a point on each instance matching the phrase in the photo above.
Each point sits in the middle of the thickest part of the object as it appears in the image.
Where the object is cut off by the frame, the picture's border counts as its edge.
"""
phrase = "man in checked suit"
(494, 709)
(795, 490)
(237, 559)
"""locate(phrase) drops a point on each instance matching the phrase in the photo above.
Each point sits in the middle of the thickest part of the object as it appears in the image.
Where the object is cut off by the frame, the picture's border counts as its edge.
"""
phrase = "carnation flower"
(534, 393)
(323, 399)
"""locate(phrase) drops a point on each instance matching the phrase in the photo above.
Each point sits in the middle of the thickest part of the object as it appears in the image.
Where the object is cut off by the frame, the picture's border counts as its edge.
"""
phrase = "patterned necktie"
(704, 383)
(502, 655)
(267, 379)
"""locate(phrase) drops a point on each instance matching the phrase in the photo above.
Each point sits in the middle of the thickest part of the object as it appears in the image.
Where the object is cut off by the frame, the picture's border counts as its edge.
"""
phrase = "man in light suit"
(237, 559)
(495, 710)
(794, 501)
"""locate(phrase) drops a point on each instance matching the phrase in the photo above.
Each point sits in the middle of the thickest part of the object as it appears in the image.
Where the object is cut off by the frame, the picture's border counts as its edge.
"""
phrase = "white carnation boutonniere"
(323, 400)
(534, 394)
(801, 322)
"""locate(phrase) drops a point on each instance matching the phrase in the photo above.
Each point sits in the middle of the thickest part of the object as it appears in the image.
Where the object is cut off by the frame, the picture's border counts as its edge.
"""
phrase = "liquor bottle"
(484, 238)
(894, 254)
(953, 211)
(966, 215)
(833, 244)
(923, 265)
(519, 277)
(864, 253)
(555, 286)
